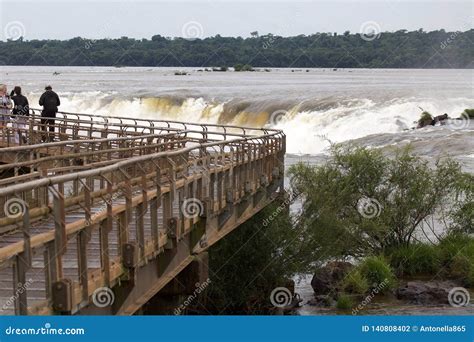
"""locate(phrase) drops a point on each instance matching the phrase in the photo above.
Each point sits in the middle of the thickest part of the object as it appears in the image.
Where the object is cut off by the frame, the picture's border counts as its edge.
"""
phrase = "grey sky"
(141, 19)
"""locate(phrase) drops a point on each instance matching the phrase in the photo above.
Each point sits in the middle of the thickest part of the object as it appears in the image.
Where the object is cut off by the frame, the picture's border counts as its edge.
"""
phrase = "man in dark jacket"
(50, 102)
(21, 110)
(20, 102)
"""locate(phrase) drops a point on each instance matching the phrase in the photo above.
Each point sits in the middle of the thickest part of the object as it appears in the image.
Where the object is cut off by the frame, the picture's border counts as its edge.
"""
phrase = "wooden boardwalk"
(121, 204)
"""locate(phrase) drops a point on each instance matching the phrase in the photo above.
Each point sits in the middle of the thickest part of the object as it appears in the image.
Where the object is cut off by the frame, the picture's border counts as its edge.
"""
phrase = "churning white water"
(312, 106)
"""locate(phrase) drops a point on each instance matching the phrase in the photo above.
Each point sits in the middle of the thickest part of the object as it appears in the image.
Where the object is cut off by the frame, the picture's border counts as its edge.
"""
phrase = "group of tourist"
(15, 108)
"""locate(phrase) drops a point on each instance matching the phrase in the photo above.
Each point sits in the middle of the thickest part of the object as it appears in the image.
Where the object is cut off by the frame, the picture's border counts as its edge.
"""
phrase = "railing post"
(154, 205)
(105, 229)
(21, 265)
(140, 211)
(60, 237)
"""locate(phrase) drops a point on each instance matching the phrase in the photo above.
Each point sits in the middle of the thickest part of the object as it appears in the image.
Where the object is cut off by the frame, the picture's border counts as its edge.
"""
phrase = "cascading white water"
(373, 106)
(309, 130)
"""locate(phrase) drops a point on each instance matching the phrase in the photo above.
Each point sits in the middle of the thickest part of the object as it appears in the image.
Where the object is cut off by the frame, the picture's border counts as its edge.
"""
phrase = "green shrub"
(243, 67)
(414, 259)
(455, 244)
(460, 268)
(361, 202)
(228, 292)
(344, 302)
(425, 119)
(457, 258)
(469, 113)
(378, 273)
(470, 278)
(355, 283)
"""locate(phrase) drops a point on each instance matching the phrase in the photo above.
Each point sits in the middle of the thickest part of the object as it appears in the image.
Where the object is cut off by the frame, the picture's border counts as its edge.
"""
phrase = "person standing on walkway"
(5, 106)
(50, 102)
(20, 112)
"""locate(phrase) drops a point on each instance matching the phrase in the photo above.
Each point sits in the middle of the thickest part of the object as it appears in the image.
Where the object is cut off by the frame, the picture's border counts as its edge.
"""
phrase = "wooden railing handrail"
(76, 123)
(265, 130)
(100, 171)
(13, 149)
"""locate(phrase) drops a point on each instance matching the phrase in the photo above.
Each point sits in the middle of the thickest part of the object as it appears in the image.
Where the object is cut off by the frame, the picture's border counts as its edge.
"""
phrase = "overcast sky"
(142, 19)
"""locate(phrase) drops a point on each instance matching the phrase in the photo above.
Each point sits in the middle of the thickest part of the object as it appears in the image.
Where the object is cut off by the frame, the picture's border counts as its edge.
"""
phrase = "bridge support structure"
(123, 218)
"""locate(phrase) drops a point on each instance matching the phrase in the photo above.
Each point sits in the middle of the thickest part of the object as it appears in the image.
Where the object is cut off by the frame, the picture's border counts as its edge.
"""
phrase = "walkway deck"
(121, 204)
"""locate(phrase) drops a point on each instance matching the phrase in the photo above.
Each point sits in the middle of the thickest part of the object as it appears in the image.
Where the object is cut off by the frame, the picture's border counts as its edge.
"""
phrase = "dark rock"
(430, 292)
(322, 301)
(295, 302)
(290, 285)
(328, 277)
(294, 299)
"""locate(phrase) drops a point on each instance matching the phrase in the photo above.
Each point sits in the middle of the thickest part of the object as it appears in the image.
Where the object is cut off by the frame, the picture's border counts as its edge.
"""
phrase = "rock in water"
(322, 300)
(329, 277)
(430, 292)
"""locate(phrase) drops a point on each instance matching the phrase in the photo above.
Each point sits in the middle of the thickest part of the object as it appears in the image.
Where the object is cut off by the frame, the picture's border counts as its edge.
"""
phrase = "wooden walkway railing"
(111, 198)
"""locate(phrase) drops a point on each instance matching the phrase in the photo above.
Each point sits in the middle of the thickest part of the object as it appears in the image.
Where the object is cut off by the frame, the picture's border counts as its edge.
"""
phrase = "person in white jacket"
(5, 106)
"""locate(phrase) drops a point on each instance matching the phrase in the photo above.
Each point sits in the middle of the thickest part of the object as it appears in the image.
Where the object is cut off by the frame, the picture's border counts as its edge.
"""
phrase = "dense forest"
(400, 49)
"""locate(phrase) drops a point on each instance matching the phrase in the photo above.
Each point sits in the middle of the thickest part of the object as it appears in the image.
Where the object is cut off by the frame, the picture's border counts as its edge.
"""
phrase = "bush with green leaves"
(425, 119)
(462, 212)
(468, 113)
(243, 67)
(355, 283)
(250, 262)
(361, 202)
(344, 302)
(457, 258)
(378, 273)
(415, 259)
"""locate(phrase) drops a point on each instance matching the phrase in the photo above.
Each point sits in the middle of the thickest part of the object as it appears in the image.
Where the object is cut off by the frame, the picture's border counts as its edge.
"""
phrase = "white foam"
(307, 132)
(310, 132)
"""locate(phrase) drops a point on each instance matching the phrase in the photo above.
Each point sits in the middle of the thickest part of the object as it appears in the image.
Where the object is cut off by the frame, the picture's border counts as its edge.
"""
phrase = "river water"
(311, 105)
(370, 107)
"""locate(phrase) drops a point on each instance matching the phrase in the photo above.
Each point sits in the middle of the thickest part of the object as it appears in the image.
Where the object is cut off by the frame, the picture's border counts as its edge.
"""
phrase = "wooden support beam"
(101, 172)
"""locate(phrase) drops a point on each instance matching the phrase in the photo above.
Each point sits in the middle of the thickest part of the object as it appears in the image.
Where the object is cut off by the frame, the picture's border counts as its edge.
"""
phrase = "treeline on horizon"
(400, 49)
